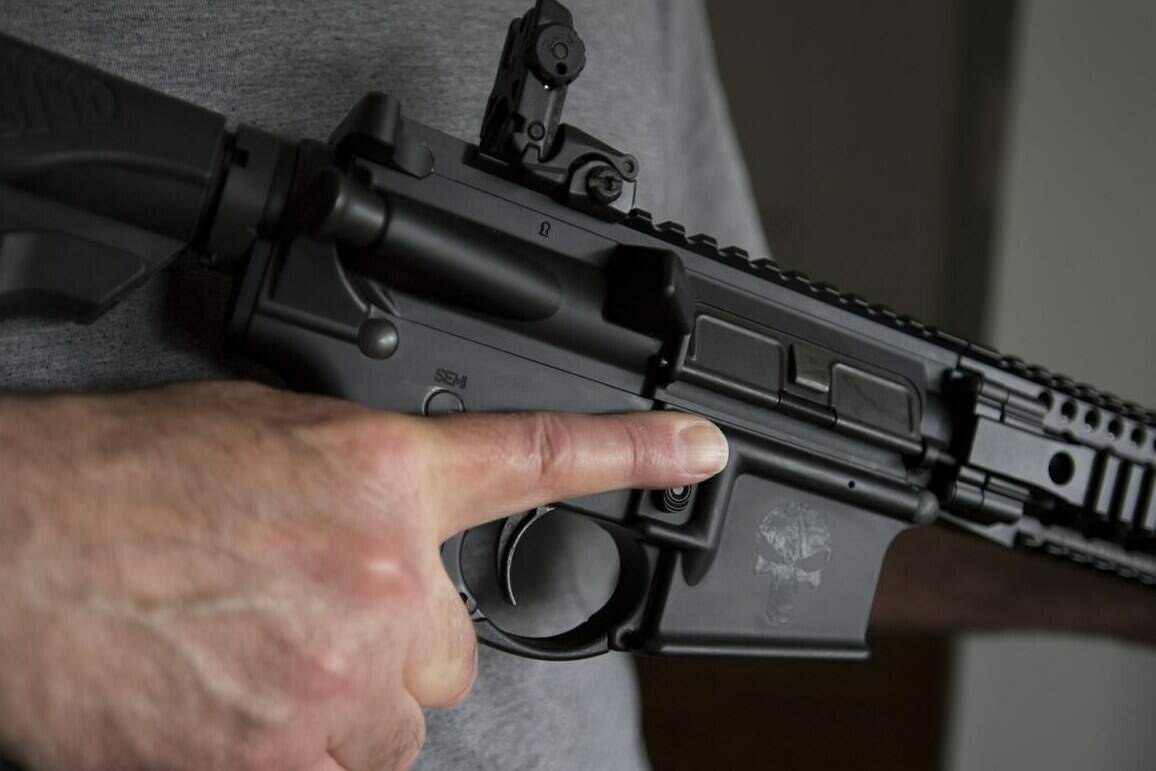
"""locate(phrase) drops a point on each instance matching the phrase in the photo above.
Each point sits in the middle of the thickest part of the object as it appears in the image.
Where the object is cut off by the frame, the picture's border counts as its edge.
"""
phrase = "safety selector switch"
(442, 402)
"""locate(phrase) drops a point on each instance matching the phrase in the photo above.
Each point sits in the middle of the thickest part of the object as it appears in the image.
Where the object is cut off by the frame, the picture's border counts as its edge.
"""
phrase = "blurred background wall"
(1078, 219)
(988, 167)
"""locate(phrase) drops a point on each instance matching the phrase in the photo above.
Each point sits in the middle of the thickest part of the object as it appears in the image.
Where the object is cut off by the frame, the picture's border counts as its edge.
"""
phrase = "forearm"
(21, 627)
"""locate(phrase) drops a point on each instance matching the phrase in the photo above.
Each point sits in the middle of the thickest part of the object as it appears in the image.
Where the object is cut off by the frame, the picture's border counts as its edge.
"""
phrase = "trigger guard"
(590, 638)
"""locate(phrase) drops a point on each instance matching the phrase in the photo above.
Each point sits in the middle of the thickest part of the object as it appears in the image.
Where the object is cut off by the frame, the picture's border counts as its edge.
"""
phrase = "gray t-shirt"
(295, 67)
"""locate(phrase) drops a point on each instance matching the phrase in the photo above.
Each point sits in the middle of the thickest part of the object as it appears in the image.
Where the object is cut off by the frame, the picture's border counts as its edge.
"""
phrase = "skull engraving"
(793, 545)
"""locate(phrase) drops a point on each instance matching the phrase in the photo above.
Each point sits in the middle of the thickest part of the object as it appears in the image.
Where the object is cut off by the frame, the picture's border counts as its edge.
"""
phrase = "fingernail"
(701, 448)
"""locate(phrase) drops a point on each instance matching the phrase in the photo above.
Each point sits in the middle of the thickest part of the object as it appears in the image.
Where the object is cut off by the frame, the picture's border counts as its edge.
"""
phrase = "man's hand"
(230, 577)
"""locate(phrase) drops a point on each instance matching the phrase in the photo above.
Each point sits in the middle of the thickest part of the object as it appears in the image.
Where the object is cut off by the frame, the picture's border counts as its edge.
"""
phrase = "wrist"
(24, 515)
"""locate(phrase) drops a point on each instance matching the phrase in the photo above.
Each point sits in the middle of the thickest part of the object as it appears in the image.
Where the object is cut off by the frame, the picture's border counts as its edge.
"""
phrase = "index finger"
(489, 466)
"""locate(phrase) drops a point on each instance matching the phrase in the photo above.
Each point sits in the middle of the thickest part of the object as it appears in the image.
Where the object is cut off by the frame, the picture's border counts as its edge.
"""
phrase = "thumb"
(488, 466)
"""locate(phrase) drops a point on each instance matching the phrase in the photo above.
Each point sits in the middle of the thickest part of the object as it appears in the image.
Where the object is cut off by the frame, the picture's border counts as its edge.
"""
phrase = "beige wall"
(1074, 284)
(1073, 287)
(849, 116)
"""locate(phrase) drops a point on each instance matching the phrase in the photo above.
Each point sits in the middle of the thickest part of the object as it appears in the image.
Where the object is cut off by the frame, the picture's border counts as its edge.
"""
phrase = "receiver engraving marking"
(793, 545)
(450, 378)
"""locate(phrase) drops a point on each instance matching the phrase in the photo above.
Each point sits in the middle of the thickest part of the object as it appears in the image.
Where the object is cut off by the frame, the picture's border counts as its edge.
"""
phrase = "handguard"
(407, 270)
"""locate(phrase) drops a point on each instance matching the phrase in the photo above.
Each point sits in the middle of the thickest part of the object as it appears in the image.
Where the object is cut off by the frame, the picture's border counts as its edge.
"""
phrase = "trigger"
(512, 531)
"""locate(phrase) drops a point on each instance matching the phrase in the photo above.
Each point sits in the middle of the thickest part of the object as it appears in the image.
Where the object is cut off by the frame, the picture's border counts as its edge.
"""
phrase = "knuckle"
(411, 737)
(469, 657)
(325, 665)
(641, 449)
(396, 581)
(461, 651)
(400, 746)
(391, 446)
(381, 571)
(373, 456)
(549, 445)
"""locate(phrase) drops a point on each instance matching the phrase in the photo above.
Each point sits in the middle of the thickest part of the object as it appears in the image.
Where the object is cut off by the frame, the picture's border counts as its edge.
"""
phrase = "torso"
(295, 68)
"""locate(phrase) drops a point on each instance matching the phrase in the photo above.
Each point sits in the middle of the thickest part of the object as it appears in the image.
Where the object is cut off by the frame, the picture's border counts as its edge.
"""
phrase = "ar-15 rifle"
(407, 270)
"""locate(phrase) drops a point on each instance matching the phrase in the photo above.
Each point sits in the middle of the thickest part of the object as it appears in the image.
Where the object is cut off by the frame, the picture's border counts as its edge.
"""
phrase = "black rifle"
(407, 270)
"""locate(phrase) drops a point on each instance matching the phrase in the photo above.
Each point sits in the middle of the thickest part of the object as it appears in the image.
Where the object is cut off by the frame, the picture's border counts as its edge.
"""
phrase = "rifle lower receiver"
(402, 268)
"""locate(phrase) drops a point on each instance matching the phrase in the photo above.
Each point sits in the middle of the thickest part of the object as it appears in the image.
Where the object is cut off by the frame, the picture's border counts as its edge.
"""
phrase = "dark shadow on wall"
(873, 135)
(785, 715)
